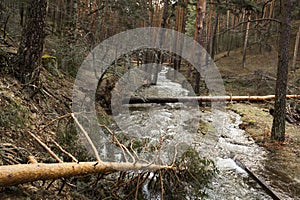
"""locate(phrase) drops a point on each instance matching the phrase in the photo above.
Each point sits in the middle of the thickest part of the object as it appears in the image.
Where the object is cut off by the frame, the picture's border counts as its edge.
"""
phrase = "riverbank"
(282, 166)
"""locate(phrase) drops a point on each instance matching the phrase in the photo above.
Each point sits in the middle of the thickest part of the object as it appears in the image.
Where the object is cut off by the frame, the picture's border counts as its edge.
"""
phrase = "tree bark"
(31, 46)
(231, 34)
(183, 25)
(159, 59)
(278, 127)
(296, 51)
(201, 8)
(137, 100)
(177, 27)
(22, 10)
(214, 39)
(24, 173)
(209, 28)
(246, 40)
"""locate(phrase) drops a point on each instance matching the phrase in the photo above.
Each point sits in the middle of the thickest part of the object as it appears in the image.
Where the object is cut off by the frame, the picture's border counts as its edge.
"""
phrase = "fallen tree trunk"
(137, 100)
(24, 173)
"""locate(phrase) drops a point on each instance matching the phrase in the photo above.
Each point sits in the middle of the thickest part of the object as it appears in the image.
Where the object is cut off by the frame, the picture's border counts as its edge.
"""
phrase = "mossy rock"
(205, 127)
(50, 64)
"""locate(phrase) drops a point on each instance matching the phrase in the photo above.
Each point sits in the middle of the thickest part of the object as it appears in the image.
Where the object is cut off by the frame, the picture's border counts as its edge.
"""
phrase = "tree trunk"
(231, 34)
(246, 40)
(159, 59)
(201, 7)
(214, 39)
(296, 51)
(24, 173)
(31, 46)
(278, 127)
(209, 28)
(137, 100)
(183, 25)
(59, 18)
(22, 10)
(178, 27)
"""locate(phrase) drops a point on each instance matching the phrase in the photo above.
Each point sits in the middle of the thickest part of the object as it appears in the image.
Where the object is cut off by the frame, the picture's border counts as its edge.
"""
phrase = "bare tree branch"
(86, 135)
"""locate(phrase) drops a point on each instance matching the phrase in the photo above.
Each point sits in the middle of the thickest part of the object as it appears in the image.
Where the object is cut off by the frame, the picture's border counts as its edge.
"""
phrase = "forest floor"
(282, 166)
(41, 113)
(22, 111)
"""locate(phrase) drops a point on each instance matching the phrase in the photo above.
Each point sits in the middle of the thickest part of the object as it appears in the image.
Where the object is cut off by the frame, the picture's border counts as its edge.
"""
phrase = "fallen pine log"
(137, 100)
(24, 173)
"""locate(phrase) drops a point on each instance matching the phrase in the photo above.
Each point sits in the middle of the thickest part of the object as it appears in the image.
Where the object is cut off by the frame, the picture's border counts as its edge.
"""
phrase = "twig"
(62, 186)
(86, 135)
(134, 152)
(32, 160)
(254, 20)
(175, 155)
(9, 159)
(137, 187)
(47, 188)
(161, 185)
(46, 147)
(54, 120)
(116, 141)
(65, 152)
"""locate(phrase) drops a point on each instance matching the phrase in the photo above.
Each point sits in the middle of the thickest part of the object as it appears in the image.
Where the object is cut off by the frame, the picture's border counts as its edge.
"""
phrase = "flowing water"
(171, 124)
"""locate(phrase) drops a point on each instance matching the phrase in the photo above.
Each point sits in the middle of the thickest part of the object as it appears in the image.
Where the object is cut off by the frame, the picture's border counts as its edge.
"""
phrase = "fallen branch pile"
(23, 173)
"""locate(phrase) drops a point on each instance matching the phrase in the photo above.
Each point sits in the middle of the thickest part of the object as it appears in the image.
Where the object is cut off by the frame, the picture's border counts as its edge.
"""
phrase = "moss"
(48, 60)
(48, 57)
(50, 64)
(251, 122)
(205, 127)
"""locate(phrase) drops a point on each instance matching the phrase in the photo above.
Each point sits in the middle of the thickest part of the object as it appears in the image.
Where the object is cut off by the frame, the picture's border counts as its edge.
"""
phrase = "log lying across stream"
(137, 100)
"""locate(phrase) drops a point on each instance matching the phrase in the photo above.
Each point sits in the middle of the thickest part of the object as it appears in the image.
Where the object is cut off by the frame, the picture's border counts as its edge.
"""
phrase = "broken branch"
(86, 135)
(46, 147)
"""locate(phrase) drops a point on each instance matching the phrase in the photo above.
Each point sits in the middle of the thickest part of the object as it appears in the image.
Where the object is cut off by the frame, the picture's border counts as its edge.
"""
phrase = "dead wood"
(137, 100)
(24, 173)
(86, 135)
(46, 147)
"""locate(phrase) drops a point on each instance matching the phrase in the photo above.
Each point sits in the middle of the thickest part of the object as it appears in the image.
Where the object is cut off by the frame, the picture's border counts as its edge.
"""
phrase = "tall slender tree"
(159, 58)
(201, 8)
(246, 38)
(278, 127)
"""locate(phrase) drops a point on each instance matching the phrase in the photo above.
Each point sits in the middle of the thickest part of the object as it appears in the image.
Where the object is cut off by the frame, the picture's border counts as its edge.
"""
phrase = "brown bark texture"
(278, 127)
(246, 40)
(31, 46)
(296, 50)
(201, 9)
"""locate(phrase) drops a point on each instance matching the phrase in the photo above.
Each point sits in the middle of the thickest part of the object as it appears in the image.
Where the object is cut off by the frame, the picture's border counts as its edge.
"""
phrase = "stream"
(178, 123)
